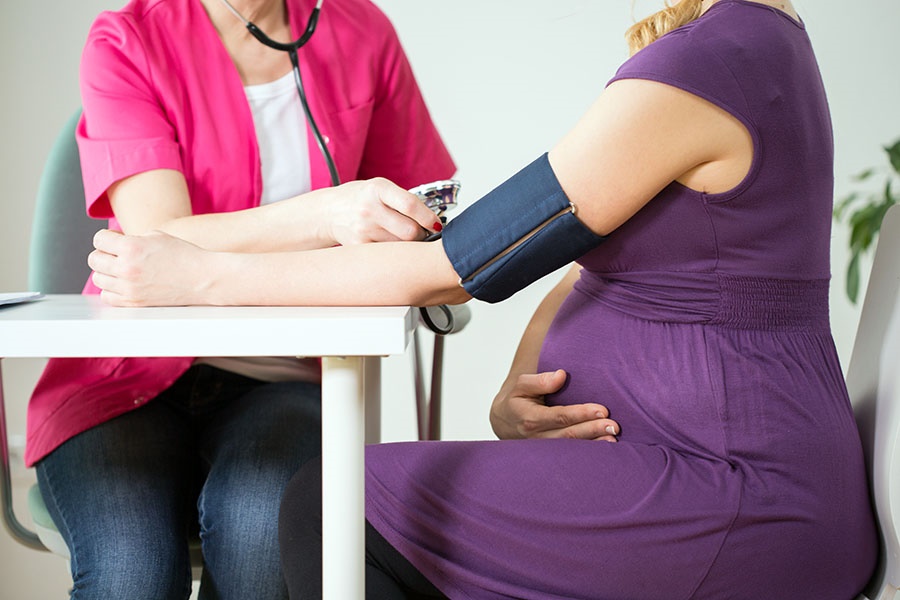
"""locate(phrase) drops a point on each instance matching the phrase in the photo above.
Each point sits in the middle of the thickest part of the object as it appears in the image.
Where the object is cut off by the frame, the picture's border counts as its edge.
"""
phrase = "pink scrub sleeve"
(113, 74)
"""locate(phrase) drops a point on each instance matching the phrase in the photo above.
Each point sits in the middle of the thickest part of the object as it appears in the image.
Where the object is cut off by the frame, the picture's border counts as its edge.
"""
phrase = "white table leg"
(343, 478)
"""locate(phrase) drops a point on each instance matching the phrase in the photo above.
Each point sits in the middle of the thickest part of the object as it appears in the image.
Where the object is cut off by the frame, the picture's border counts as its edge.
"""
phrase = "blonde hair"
(673, 16)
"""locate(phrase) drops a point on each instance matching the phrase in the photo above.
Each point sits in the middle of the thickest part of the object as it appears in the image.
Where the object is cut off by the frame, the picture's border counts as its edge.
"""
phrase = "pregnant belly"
(652, 376)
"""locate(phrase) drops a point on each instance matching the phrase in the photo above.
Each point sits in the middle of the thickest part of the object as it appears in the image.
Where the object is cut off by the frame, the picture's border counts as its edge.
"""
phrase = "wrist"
(501, 427)
(303, 222)
(217, 277)
(326, 214)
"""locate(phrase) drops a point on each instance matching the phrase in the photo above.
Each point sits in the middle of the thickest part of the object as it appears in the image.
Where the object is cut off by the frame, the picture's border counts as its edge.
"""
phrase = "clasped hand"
(519, 412)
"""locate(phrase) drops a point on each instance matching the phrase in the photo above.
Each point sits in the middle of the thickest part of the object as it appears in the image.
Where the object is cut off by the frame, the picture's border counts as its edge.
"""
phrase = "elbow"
(457, 295)
(448, 293)
(439, 281)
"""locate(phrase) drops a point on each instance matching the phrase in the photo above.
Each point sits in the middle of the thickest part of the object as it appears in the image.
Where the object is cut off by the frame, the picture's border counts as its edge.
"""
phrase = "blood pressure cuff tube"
(522, 230)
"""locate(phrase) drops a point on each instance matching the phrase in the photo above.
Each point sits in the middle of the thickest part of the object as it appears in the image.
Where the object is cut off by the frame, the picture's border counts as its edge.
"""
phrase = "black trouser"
(389, 575)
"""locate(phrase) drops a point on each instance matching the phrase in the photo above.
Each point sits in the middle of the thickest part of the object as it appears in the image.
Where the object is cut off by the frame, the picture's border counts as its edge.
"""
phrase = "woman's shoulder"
(357, 26)
(713, 55)
(686, 58)
(357, 17)
(134, 20)
(139, 11)
(363, 13)
(732, 30)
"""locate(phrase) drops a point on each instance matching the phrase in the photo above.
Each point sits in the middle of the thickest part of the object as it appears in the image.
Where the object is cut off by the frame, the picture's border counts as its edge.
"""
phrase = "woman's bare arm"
(637, 138)
(159, 269)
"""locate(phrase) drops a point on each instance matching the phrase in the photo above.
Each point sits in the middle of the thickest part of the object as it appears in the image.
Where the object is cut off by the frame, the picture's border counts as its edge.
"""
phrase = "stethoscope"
(438, 196)
(291, 48)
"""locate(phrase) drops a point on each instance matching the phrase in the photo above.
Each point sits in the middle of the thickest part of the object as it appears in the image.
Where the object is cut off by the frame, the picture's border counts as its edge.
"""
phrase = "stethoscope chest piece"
(438, 195)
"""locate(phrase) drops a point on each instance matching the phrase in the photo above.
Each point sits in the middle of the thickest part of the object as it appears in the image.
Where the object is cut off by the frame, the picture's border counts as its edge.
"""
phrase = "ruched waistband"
(714, 299)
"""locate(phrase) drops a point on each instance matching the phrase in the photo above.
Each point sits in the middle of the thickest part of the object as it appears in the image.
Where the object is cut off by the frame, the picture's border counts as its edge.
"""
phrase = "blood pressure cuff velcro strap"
(522, 230)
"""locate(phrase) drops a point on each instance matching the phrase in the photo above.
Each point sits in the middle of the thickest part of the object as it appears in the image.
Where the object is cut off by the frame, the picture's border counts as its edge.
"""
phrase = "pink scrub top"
(160, 92)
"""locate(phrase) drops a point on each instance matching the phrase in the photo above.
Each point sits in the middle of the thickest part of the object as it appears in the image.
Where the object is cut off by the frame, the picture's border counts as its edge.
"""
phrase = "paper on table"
(19, 297)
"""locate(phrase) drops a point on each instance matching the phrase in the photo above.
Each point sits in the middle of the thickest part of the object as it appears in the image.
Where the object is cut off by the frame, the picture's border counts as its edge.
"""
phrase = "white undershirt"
(282, 138)
(284, 156)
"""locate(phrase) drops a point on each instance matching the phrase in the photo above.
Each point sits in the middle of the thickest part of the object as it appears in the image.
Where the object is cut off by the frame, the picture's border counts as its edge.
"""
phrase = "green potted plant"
(863, 212)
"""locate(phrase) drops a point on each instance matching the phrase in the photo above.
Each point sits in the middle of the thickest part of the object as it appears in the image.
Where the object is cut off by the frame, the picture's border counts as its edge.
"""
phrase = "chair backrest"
(61, 233)
(61, 239)
(873, 381)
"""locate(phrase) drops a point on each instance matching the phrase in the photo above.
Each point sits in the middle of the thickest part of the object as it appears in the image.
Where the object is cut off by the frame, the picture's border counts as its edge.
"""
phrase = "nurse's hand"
(156, 269)
(377, 210)
(519, 412)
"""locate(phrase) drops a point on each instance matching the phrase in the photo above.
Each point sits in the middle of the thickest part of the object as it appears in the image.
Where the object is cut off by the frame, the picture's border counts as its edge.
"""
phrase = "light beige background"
(504, 81)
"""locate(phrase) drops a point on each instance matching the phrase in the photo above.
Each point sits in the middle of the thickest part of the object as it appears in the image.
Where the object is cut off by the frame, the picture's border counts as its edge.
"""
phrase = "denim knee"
(131, 568)
(119, 495)
(274, 430)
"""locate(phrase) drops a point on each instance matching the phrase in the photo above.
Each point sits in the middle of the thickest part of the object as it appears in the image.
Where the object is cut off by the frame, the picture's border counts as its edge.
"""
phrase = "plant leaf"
(894, 155)
(842, 205)
(865, 220)
(866, 214)
(861, 236)
(864, 175)
(861, 215)
(888, 195)
(853, 278)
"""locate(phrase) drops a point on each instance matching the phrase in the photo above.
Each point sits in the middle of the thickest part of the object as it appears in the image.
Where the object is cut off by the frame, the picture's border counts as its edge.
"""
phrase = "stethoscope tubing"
(264, 39)
(320, 139)
(292, 48)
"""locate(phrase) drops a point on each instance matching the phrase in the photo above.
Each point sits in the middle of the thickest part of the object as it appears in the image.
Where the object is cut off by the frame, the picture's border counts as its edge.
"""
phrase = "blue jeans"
(212, 454)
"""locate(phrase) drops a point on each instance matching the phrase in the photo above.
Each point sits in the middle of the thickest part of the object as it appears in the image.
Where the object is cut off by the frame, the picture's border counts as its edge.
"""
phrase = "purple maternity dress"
(702, 323)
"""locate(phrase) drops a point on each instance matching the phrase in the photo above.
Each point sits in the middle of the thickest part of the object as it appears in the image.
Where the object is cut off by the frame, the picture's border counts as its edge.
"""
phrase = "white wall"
(504, 81)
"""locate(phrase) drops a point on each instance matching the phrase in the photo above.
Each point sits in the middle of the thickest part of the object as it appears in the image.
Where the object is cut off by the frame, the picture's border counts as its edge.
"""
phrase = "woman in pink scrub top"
(193, 127)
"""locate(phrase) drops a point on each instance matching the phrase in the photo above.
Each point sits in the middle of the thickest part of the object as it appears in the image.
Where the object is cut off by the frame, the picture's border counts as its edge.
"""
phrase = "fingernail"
(610, 430)
(437, 226)
(565, 384)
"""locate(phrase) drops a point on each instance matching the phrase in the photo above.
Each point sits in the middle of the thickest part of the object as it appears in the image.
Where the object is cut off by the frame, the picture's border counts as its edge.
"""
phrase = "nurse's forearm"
(296, 224)
(159, 200)
(356, 212)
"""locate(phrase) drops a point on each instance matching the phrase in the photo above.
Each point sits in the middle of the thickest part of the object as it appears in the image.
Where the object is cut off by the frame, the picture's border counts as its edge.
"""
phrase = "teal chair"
(61, 231)
(61, 240)
(62, 235)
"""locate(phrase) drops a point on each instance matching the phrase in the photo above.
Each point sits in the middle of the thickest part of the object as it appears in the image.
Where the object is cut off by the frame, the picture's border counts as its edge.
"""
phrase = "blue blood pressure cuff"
(522, 230)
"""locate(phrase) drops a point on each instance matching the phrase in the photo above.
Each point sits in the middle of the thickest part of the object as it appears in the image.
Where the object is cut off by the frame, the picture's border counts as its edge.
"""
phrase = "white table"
(350, 341)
